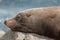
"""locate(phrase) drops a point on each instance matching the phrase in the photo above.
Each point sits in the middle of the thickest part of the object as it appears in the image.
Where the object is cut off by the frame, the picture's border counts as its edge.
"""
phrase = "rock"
(1, 33)
(11, 35)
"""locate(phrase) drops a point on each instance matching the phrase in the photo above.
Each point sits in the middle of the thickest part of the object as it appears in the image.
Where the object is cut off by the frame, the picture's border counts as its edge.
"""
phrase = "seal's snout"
(11, 23)
(5, 22)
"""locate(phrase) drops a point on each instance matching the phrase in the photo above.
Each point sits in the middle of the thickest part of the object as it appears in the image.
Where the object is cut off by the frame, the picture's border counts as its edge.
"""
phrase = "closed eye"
(17, 17)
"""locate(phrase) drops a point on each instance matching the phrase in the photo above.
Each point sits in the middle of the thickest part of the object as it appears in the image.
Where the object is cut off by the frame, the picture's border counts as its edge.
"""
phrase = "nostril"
(4, 22)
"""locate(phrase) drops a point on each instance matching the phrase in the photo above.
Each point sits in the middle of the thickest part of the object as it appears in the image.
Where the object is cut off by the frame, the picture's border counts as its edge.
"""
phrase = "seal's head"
(20, 22)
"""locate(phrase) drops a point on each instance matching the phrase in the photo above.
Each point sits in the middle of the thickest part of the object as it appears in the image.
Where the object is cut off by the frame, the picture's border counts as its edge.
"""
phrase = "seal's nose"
(5, 22)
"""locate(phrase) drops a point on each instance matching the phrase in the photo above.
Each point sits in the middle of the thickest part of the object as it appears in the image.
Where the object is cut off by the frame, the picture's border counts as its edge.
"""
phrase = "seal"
(43, 21)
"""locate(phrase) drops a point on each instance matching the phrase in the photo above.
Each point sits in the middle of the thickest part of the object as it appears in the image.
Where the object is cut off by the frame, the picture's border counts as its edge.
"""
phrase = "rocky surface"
(10, 35)
(1, 33)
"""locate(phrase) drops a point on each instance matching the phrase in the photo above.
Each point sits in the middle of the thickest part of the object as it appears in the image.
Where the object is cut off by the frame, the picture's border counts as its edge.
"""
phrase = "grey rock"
(11, 35)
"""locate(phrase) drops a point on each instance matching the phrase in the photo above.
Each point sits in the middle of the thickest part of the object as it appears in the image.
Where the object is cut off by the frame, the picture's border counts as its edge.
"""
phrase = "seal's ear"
(28, 14)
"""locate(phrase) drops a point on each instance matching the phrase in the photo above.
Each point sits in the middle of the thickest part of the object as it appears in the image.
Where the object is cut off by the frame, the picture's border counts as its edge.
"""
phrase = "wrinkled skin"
(42, 21)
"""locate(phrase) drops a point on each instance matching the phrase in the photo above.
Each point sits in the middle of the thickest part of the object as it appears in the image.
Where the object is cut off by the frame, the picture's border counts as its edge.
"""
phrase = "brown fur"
(43, 21)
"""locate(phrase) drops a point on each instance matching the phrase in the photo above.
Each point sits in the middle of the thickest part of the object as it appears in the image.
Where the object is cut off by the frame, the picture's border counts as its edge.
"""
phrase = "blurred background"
(9, 8)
